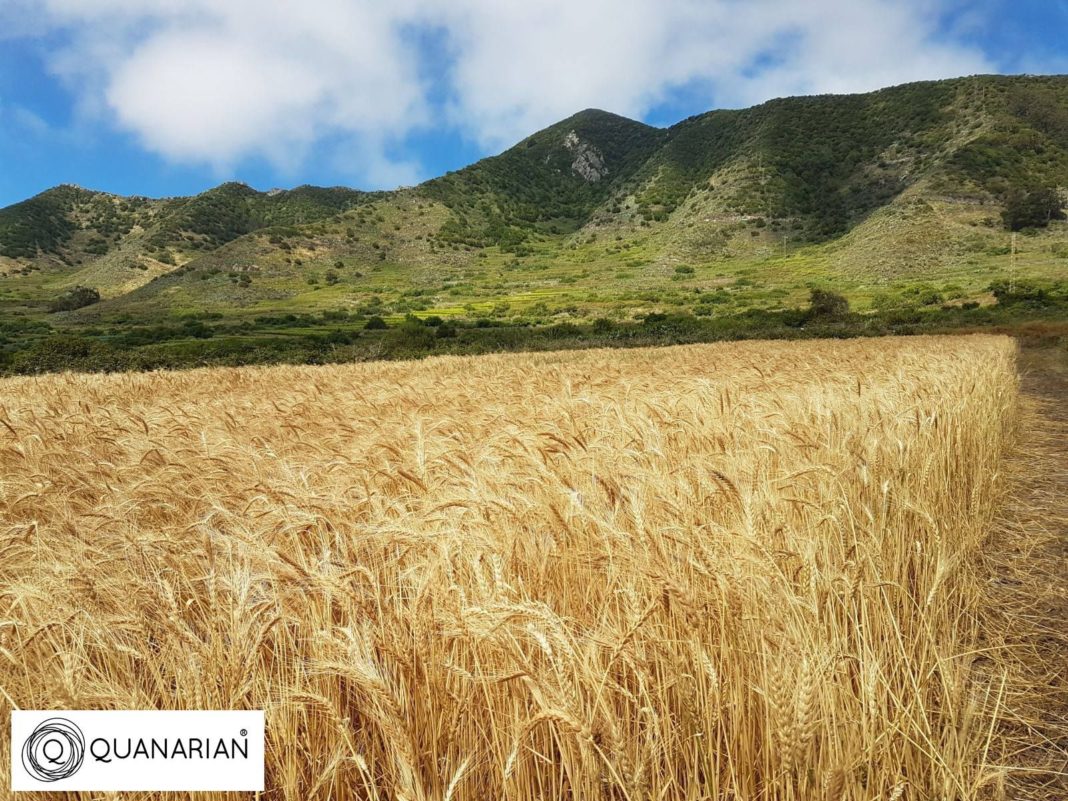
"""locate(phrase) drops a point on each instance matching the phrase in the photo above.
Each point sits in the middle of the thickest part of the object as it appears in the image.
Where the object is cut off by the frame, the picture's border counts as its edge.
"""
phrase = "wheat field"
(729, 571)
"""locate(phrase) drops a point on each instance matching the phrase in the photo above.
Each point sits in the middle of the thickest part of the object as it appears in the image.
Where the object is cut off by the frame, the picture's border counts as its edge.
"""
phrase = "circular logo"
(54, 750)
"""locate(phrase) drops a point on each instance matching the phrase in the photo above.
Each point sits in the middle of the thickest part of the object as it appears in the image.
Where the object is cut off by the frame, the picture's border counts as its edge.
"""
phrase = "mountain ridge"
(803, 178)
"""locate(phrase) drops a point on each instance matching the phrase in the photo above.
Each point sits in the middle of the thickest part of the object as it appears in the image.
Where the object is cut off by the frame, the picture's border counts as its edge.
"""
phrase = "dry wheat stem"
(719, 571)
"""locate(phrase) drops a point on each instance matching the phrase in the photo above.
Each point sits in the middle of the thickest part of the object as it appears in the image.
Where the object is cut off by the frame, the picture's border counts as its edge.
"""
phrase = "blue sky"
(168, 97)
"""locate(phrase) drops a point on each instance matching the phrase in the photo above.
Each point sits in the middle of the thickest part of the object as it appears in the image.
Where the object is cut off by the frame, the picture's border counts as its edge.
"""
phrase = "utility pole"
(1012, 267)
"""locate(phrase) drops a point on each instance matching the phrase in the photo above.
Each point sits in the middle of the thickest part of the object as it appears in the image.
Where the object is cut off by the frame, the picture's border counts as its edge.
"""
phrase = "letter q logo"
(54, 750)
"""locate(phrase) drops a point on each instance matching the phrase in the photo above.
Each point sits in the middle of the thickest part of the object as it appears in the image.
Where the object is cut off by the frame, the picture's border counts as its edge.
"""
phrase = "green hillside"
(549, 183)
(227, 212)
(899, 199)
(71, 226)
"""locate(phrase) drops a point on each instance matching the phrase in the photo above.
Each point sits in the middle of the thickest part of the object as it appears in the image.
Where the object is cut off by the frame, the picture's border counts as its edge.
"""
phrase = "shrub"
(1032, 208)
(339, 337)
(922, 295)
(563, 331)
(824, 303)
(1025, 293)
(375, 324)
(76, 298)
(414, 334)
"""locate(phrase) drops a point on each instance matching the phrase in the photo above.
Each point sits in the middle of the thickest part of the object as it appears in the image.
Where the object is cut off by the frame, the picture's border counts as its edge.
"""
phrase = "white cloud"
(371, 159)
(217, 81)
(523, 65)
(846, 46)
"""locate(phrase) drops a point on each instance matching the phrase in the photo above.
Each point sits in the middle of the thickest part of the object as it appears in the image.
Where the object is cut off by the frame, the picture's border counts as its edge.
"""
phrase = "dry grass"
(739, 571)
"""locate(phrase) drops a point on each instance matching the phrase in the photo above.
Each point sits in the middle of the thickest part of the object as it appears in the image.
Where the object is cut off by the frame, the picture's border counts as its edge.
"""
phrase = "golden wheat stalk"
(706, 571)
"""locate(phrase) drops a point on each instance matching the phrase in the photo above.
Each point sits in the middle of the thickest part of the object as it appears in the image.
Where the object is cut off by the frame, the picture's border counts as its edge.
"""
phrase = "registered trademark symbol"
(244, 732)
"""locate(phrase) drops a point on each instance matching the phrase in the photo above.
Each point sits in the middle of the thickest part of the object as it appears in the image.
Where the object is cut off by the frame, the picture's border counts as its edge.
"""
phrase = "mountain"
(550, 182)
(883, 196)
(70, 225)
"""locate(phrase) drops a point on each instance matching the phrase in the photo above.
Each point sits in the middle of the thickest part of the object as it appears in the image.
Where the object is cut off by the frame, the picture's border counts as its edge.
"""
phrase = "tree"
(824, 303)
(1020, 293)
(76, 298)
(1032, 208)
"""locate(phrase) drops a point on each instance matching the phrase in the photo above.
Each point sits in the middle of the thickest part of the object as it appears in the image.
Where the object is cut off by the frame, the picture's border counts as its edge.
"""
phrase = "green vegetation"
(1036, 207)
(232, 210)
(825, 304)
(69, 223)
(40, 224)
(77, 298)
(1037, 313)
(549, 183)
(839, 213)
(823, 162)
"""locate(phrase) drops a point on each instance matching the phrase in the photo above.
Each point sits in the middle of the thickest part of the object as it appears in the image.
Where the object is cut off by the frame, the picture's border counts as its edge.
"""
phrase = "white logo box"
(148, 750)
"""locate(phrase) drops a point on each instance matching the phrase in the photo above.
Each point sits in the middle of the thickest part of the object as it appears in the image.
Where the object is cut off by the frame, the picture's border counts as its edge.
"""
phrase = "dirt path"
(1028, 560)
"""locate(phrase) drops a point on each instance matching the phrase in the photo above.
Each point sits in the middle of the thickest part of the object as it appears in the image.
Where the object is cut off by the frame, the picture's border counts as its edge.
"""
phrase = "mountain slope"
(548, 183)
(825, 161)
(69, 226)
(828, 161)
(596, 215)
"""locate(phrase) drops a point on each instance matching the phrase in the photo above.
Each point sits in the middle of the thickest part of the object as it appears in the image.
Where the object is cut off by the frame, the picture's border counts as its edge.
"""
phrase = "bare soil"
(1028, 575)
